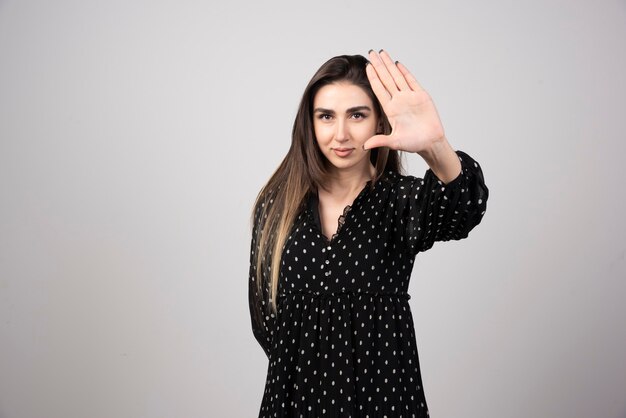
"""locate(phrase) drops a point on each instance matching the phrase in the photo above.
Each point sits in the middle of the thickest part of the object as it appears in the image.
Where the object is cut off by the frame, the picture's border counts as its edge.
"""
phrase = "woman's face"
(343, 119)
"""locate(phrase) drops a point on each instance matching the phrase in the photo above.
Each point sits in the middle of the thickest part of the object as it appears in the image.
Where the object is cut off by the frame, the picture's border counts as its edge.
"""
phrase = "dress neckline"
(313, 210)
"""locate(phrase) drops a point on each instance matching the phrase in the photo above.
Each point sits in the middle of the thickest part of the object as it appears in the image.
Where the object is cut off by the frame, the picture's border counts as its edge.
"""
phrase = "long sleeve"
(262, 319)
(431, 211)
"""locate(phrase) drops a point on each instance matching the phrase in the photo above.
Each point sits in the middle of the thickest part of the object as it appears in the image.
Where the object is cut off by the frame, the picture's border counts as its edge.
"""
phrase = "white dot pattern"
(342, 342)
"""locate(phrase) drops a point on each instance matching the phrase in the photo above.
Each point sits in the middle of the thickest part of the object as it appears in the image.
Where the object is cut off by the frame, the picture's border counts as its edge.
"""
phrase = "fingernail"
(380, 51)
(367, 62)
(370, 51)
(397, 62)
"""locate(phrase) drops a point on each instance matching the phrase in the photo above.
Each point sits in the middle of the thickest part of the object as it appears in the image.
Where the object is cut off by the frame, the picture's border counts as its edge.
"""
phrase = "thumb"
(377, 141)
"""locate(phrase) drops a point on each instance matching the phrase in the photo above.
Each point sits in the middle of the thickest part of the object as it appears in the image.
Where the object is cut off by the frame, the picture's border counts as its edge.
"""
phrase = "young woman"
(335, 233)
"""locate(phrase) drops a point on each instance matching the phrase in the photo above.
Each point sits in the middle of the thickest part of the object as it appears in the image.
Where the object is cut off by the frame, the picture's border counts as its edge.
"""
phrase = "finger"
(378, 141)
(397, 76)
(413, 84)
(379, 90)
(383, 74)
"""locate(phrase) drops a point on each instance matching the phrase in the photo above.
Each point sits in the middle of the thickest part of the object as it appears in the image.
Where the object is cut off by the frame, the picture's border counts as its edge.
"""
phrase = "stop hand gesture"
(415, 123)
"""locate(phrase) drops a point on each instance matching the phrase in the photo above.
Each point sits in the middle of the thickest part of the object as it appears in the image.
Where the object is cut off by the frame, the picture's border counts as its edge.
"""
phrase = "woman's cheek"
(324, 135)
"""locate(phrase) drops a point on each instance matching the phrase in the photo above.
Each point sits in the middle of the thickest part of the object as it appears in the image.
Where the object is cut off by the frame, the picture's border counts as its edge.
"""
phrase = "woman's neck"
(345, 184)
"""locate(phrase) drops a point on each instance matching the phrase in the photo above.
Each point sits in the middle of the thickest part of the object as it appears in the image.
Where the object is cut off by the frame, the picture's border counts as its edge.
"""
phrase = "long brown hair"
(304, 170)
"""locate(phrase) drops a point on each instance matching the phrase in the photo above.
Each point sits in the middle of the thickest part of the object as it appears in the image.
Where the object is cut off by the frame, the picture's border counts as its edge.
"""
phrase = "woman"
(335, 233)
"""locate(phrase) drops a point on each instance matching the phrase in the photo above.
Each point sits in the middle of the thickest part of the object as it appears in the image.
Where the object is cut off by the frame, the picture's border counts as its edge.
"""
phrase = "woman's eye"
(324, 116)
(358, 115)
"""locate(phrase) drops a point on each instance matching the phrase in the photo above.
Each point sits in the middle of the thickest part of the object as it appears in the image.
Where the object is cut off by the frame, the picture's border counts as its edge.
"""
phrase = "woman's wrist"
(442, 160)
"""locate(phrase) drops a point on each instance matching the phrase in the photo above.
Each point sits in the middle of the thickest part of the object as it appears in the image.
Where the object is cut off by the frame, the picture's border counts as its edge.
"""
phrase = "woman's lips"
(343, 152)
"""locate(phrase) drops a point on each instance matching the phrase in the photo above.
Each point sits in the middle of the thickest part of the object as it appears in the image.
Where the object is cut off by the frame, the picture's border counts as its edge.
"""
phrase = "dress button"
(327, 261)
(328, 248)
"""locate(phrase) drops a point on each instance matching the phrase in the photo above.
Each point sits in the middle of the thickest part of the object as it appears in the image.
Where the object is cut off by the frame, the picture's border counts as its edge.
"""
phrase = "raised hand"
(415, 123)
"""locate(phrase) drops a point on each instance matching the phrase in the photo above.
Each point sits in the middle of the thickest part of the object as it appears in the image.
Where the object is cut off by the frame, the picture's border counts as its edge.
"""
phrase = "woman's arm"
(430, 211)
(442, 159)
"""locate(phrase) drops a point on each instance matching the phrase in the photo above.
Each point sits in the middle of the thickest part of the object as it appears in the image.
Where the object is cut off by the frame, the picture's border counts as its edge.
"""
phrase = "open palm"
(414, 120)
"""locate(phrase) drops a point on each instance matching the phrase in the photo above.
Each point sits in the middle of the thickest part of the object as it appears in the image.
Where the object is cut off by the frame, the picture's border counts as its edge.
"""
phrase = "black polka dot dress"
(342, 342)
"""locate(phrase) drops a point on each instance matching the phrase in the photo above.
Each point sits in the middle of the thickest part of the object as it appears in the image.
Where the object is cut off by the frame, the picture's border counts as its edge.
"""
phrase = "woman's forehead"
(341, 96)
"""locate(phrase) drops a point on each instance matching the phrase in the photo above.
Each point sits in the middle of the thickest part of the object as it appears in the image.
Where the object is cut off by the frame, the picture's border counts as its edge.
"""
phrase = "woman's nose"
(342, 131)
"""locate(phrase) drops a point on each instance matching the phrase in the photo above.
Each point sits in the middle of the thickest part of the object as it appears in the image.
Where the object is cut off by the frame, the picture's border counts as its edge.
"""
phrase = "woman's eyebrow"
(322, 110)
(350, 110)
(358, 109)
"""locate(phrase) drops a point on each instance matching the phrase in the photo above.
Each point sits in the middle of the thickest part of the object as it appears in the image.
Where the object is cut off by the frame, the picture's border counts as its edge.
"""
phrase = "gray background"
(135, 135)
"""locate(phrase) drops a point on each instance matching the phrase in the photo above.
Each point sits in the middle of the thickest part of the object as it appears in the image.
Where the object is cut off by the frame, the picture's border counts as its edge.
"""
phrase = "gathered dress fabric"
(342, 341)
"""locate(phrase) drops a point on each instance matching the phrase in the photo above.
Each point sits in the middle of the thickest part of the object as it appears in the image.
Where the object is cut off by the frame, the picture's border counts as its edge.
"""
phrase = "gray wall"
(134, 137)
